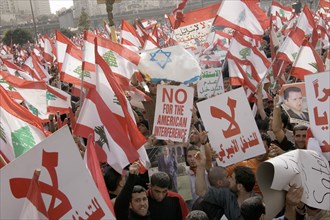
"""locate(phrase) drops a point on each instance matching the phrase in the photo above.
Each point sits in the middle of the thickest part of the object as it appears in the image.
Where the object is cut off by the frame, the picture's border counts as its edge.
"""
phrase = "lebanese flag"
(150, 43)
(49, 49)
(178, 14)
(15, 70)
(129, 37)
(34, 67)
(121, 60)
(107, 112)
(93, 166)
(248, 18)
(11, 90)
(20, 130)
(148, 23)
(34, 92)
(107, 28)
(290, 47)
(244, 50)
(324, 3)
(88, 57)
(141, 31)
(320, 33)
(57, 100)
(34, 206)
(284, 12)
(307, 62)
(305, 24)
(72, 69)
(62, 43)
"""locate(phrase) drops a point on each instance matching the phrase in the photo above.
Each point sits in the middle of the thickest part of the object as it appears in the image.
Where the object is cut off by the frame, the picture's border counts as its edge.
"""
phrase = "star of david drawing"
(160, 57)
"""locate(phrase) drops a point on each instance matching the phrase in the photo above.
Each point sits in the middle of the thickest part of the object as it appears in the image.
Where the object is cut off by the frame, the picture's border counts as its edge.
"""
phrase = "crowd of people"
(216, 192)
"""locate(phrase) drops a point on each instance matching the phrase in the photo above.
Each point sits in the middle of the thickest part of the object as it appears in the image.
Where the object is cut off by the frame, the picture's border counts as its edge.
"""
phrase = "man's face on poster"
(294, 101)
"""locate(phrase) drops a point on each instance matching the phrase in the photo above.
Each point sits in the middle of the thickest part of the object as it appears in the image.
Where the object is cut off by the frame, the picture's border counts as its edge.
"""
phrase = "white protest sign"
(318, 101)
(67, 188)
(231, 127)
(210, 84)
(301, 167)
(173, 112)
(193, 34)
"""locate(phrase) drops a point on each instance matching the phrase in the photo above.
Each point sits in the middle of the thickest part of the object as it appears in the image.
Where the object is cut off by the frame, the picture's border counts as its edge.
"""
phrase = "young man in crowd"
(132, 201)
(165, 204)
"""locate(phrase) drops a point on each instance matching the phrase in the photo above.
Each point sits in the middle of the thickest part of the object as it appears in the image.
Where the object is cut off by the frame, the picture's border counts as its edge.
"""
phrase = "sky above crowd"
(56, 5)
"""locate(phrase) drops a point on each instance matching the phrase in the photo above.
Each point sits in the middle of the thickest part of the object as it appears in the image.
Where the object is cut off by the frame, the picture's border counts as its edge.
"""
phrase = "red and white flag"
(150, 43)
(93, 166)
(305, 23)
(49, 49)
(34, 67)
(251, 55)
(249, 18)
(307, 62)
(129, 37)
(15, 70)
(106, 112)
(62, 43)
(277, 9)
(34, 92)
(20, 130)
(148, 23)
(327, 60)
(290, 47)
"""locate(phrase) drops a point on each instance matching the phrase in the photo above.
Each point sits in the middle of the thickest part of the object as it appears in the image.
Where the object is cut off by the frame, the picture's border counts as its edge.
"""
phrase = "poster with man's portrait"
(294, 102)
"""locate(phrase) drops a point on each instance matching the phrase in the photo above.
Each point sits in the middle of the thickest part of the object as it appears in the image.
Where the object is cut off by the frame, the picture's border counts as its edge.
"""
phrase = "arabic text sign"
(232, 129)
(210, 84)
(192, 35)
(318, 96)
(173, 112)
(62, 180)
(303, 167)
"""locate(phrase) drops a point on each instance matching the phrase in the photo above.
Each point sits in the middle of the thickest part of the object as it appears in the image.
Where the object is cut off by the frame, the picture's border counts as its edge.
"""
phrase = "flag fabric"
(34, 92)
(72, 71)
(248, 18)
(129, 36)
(150, 43)
(171, 63)
(107, 28)
(33, 200)
(62, 43)
(148, 23)
(57, 100)
(321, 34)
(305, 23)
(49, 50)
(307, 62)
(178, 14)
(327, 60)
(290, 47)
(93, 166)
(107, 112)
(34, 67)
(250, 55)
(121, 60)
(88, 57)
(277, 9)
(325, 3)
(15, 70)
(20, 130)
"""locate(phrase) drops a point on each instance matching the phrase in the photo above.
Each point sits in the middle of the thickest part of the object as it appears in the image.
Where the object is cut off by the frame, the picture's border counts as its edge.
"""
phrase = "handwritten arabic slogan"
(232, 129)
(173, 112)
(318, 96)
(194, 34)
(66, 186)
(210, 84)
(302, 167)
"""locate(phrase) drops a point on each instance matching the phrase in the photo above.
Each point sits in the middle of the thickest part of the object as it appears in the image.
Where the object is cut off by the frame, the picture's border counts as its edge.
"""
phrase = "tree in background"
(18, 36)
(83, 20)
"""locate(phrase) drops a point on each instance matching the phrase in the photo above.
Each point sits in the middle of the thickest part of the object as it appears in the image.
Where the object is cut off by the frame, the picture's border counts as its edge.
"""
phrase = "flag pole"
(3, 161)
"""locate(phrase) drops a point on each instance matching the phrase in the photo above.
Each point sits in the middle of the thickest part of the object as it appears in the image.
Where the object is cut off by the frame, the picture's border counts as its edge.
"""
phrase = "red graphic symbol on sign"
(20, 186)
(323, 119)
(233, 128)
